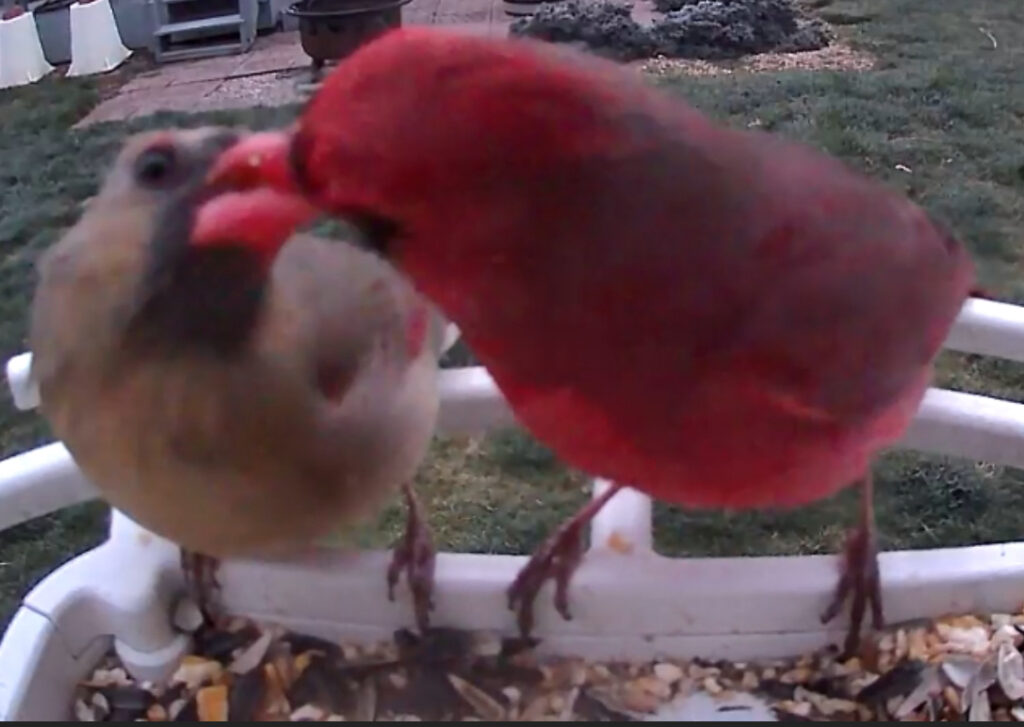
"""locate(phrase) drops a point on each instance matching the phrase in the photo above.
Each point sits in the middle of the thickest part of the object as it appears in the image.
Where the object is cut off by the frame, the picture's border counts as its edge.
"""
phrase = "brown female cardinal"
(235, 403)
(720, 318)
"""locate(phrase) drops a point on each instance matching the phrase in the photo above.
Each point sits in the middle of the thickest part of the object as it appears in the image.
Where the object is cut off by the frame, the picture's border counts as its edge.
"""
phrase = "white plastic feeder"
(627, 603)
(21, 54)
(96, 45)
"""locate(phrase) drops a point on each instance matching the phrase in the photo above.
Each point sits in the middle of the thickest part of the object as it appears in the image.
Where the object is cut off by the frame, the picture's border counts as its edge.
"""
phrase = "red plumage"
(716, 317)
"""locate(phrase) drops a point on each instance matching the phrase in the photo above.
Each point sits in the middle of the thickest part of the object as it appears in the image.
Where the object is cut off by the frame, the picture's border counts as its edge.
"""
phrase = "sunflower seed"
(366, 703)
(482, 703)
(1010, 671)
(252, 656)
(84, 712)
(307, 713)
(668, 673)
(248, 694)
(981, 708)
(196, 671)
(175, 708)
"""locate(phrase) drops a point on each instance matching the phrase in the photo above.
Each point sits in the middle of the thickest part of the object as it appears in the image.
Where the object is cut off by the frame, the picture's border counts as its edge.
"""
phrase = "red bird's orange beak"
(260, 205)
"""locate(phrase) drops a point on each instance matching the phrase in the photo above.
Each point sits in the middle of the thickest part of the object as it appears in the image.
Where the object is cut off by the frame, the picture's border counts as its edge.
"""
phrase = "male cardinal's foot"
(859, 577)
(316, 70)
(557, 558)
(200, 579)
(414, 553)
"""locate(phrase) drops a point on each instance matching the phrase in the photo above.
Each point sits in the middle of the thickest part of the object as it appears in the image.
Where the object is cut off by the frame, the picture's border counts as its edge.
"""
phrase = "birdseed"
(952, 669)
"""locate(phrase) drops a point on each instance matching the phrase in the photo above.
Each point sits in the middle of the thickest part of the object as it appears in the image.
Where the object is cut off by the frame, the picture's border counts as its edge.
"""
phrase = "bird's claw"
(860, 582)
(414, 554)
(557, 558)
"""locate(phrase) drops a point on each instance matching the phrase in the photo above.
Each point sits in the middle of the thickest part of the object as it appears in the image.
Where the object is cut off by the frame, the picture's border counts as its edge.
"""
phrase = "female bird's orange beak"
(261, 219)
(258, 204)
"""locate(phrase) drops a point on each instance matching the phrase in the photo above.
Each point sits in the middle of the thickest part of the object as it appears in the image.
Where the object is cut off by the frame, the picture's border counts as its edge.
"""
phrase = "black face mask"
(209, 297)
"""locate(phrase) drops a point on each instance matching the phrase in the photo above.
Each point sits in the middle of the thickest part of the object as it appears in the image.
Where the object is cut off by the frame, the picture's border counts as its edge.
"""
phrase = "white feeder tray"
(626, 605)
(96, 45)
(21, 54)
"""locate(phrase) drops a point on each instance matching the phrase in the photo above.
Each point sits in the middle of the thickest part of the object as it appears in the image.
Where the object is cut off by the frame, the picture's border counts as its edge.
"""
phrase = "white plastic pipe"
(990, 329)
(624, 524)
(21, 54)
(24, 389)
(970, 426)
(471, 402)
(39, 482)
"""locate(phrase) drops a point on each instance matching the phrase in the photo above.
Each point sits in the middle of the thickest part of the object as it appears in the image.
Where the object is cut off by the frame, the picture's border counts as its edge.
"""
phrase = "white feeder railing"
(627, 601)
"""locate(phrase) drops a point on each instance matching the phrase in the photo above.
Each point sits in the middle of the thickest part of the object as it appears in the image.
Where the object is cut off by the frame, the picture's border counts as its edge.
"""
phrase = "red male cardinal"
(720, 318)
(236, 403)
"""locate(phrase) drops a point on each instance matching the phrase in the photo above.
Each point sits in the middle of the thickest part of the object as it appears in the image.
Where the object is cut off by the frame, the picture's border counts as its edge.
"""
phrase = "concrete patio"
(271, 73)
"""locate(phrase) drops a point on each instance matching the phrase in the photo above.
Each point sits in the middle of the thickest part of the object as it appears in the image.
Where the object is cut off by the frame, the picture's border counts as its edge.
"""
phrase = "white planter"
(21, 54)
(633, 605)
(96, 45)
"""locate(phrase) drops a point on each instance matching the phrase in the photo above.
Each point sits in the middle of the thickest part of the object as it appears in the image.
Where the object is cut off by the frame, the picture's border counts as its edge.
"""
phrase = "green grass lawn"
(942, 102)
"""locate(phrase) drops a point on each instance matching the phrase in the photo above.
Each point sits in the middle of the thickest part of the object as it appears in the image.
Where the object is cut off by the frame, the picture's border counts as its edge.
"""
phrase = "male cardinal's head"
(205, 295)
(414, 129)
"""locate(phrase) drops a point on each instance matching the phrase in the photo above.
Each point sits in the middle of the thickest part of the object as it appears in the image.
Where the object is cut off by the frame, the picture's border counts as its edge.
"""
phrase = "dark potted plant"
(524, 8)
(332, 29)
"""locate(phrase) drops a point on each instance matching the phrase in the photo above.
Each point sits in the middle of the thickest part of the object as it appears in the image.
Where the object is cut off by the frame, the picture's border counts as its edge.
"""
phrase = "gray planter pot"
(134, 22)
(54, 25)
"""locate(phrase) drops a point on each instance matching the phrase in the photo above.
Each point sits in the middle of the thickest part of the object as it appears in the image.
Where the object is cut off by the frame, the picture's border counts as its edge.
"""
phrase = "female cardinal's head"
(205, 296)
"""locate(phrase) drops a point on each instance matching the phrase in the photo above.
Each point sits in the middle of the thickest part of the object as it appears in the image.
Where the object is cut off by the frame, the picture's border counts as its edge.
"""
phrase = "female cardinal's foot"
(859, 576)
(557, 558)
(200, 579)
(414, 553)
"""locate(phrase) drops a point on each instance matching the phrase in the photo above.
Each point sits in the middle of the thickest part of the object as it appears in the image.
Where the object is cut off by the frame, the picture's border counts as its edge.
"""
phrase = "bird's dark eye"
(155, 166)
